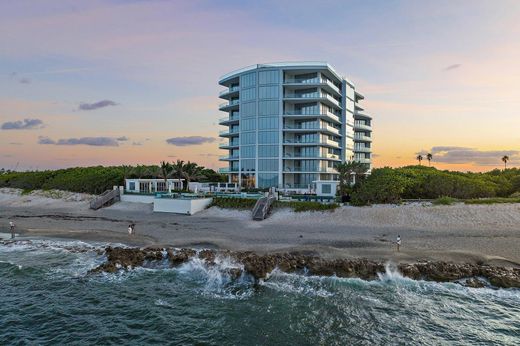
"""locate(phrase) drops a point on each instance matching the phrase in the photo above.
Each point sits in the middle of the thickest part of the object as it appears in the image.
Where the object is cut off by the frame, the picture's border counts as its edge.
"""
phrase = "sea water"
(48, 297)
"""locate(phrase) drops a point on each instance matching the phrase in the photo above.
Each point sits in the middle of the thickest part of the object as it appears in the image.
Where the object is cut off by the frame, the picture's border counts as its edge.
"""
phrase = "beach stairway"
(107, 198)
(263, 207)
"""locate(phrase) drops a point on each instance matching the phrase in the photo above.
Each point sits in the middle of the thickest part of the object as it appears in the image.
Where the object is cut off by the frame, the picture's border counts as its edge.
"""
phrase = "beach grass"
(444, 200)
(494, 200)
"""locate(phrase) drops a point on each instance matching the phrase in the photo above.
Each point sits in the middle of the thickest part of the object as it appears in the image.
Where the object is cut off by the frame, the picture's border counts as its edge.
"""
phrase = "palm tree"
(346, 170)
(419, 158)
(178, 169)
(505, 158)
(165, 172)
(429, 157)
(192, 172)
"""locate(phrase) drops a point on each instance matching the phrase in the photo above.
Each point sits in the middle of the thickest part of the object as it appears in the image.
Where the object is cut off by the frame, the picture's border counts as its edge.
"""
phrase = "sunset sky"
(124, 82)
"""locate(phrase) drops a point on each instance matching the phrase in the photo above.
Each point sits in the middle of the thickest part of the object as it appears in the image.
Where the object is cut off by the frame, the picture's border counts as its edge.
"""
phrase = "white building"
(289, 124)
(150, 186)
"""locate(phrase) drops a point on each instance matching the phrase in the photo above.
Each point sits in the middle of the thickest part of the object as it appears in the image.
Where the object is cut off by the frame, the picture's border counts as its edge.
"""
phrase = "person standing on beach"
(133, 228)
(11, 227)
(130, 229)
(398, 242)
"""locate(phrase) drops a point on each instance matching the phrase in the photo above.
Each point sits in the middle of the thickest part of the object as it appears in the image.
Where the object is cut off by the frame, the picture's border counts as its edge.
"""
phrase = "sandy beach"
(486, 234)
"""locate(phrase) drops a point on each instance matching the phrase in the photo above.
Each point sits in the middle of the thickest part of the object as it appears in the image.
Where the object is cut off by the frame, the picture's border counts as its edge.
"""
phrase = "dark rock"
(475, 283)
(180, 256)
(208, 256)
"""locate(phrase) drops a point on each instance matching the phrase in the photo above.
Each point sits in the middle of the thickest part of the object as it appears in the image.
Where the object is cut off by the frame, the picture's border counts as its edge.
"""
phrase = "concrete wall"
(181, 206)
(137, 198)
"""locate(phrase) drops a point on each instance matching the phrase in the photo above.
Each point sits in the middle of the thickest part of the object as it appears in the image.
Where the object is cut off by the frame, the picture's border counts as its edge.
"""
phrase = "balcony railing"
(312, 170)
(289, 156)
(315, 80)
(228, 132)
(312, 128)
(362, 126)
(363, 149)
(336, 117)
(229, 90)
(229, 118)
(228, 170)
(317, 142)
(358, 137)
(228, 104)
(228, 157)
(362, 160)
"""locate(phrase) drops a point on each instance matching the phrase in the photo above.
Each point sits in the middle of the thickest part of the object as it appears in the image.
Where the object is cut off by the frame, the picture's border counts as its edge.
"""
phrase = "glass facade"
(290, 122)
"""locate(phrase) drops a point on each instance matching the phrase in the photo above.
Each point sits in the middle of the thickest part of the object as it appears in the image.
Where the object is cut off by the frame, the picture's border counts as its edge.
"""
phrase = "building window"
(248, 109)
(326, 188)
(161, 186)
(247, 152)
(248, 165)
(266, 180)
(268, 92)
(248, 94)
(268, 77)
(248, 80)
(131, 186)
(248, 124)
(268, 165)
(268, 137)
(248, 138)
(268, 150)
(268, 123)
(268, 107)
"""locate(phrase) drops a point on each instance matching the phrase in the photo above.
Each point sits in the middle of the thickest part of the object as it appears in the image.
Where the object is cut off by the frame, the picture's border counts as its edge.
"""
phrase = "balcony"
(309, 170)
(363, 160)
(229, 120)
(329, 157)
(228, 92)
(324, 142)
(362, 138)
(228, 170)
(326, 98)
(313, 82)
(228, 133)
(362, 126)
(228, 145)
(228, 105)
(228, 158)
(358, 115)
(316, 128)
(297, 114)
(362, 149)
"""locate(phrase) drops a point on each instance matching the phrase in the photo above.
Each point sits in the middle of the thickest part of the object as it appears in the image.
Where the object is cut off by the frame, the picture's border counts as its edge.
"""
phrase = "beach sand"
(486, 234)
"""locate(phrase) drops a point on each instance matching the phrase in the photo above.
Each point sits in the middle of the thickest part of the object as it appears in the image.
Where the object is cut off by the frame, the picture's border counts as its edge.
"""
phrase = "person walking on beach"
(11, 227)
(130, 229)
(398, 242)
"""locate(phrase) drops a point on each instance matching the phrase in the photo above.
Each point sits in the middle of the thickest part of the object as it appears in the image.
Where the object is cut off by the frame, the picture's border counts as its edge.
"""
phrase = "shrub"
(445, 200)
(384, 185)
(234, 203)
(515, 195)
(306, 206)
(492, 200)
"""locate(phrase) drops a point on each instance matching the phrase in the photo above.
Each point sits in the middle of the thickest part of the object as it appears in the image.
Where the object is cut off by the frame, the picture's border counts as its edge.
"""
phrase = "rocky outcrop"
(260, 266)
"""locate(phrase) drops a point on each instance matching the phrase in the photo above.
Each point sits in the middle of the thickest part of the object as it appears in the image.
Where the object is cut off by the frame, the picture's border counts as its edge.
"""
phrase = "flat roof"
(321, 64)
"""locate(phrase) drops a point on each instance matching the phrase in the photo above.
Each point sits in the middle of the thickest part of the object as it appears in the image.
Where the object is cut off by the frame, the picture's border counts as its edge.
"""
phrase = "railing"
(313, 157)
(228, 132)
(362, 126)
(315, 80)
(312, 128)
(228, 170)
(310, 170)
(298, 186)
(229, 90)
(105, 198)
(303, 96)
(363, 149)
(227, 157)
(229, 118)
(362, 160)
(334, 116)
(230, 103)
(362, 138)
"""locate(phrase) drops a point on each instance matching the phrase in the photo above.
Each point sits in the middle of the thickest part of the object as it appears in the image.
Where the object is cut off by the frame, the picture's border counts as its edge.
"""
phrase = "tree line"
(97, 179)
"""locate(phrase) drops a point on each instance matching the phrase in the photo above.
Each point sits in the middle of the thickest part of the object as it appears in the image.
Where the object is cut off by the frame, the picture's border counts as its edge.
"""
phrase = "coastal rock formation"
(260, 266)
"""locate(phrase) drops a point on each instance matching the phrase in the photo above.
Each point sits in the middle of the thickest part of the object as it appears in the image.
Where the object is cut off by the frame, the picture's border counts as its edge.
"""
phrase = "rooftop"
(318, 64)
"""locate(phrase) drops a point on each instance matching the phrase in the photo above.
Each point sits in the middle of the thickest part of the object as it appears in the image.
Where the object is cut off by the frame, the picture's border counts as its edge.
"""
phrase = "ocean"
(48, 298)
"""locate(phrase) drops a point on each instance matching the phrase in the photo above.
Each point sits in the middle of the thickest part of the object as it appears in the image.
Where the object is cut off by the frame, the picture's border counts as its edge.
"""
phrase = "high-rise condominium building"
(289, 124)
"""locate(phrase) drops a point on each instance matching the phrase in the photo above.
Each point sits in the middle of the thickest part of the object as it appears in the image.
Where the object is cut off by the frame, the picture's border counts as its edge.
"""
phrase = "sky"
(125, 82)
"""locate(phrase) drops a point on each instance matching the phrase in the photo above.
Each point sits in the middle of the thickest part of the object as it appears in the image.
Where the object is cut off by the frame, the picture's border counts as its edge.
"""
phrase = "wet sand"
(460, 233)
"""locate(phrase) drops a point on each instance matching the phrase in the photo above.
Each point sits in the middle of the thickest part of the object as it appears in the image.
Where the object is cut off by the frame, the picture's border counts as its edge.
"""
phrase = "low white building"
(150, 186)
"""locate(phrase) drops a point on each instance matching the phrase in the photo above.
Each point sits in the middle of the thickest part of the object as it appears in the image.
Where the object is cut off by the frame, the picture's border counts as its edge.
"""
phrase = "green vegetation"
(494, 200)
(392, 185)
(249, 203)
(234, 203)
(444, 200)
(306, 206)
(97, 179)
